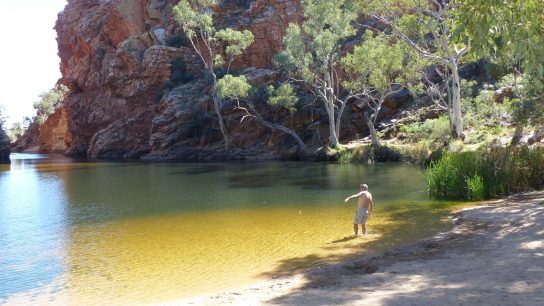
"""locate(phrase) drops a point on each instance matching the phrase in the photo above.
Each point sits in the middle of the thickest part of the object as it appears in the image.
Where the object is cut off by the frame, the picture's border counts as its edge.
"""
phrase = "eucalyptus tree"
(16, 131)
(378, 68)
(238, 89)
(216, 48)
(512, 32)
(313, 52)
(430, 27)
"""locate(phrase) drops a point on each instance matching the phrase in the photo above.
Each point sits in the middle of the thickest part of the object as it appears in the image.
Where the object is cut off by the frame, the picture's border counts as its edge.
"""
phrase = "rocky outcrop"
(4, 147)
(116, 58)
(54, 135)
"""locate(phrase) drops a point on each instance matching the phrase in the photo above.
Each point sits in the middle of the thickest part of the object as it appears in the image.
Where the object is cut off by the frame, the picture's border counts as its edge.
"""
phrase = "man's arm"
(370, 206)
(353, 197)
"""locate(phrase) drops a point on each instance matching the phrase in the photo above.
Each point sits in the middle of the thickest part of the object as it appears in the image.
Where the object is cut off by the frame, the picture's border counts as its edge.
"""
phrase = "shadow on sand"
(469, 283)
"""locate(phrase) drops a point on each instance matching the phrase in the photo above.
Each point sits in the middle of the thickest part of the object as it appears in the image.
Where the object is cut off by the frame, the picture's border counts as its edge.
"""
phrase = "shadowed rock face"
(4, 147)
(116, 61)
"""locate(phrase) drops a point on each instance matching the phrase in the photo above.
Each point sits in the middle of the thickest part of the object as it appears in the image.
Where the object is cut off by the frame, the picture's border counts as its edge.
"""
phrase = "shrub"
(419, 153)
(487, 173)
(435, 130)
(369, 153)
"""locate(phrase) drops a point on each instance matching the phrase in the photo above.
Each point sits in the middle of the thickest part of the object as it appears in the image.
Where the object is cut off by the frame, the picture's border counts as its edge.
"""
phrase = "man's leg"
(363, 228)
(355, 229)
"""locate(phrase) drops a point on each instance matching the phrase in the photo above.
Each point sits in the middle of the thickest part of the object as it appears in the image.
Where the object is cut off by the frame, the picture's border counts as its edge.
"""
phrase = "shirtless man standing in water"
(364, 208)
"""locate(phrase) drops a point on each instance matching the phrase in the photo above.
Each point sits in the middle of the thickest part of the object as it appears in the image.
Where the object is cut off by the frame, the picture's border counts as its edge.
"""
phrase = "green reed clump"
(475, 187)
(486, 173)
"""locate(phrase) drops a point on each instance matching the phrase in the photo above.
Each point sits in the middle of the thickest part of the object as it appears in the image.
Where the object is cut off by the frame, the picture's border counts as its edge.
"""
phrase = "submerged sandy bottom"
(493, 256)
(156, 259)
(137, 234)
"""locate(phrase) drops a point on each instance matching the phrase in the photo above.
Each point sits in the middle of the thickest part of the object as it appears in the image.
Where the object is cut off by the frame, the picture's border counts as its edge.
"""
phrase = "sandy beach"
(494, 255)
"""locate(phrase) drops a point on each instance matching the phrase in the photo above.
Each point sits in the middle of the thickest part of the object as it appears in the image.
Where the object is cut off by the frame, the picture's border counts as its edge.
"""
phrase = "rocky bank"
(117, 59)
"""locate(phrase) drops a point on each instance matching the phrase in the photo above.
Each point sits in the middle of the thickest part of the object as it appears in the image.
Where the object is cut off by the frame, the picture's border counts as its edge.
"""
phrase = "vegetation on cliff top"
(421, 46)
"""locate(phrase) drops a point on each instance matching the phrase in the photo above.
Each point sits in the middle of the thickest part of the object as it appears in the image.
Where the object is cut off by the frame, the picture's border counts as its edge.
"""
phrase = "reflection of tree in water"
(201, 169)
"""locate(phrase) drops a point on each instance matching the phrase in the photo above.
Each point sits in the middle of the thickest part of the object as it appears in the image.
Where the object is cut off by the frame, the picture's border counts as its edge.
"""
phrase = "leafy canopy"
(196, 19)
(237, 41)
(283, 96)
(234, 87)
(380, 63)
(195, 16)
(16, 131)
(313, 47)
(49, 102)
(513, 30)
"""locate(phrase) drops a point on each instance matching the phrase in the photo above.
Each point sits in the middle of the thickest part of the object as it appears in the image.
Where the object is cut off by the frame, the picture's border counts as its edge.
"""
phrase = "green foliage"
(314, 46)
(16, 131)
(469, 89)
(509, 30)
(380, 63)
(237, 41)
(420, 153)
(528, 105)
(501, 171)
(369, 153)
(233, 87)
(218, 61)
(283, 96)
(195, 16)
(49, 102)
(196, 19)
(483, 112)
(475, 186)
(485, 119)
(437, 131)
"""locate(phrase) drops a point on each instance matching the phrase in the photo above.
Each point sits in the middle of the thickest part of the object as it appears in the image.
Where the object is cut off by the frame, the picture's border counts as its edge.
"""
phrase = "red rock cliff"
(115, 61)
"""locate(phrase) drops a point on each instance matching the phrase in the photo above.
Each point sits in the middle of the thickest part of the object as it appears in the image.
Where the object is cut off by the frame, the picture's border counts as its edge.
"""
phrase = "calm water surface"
(88, 233)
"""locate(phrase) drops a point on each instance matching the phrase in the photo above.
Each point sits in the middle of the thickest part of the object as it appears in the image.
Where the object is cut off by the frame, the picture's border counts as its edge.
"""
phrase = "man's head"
(364, 187)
